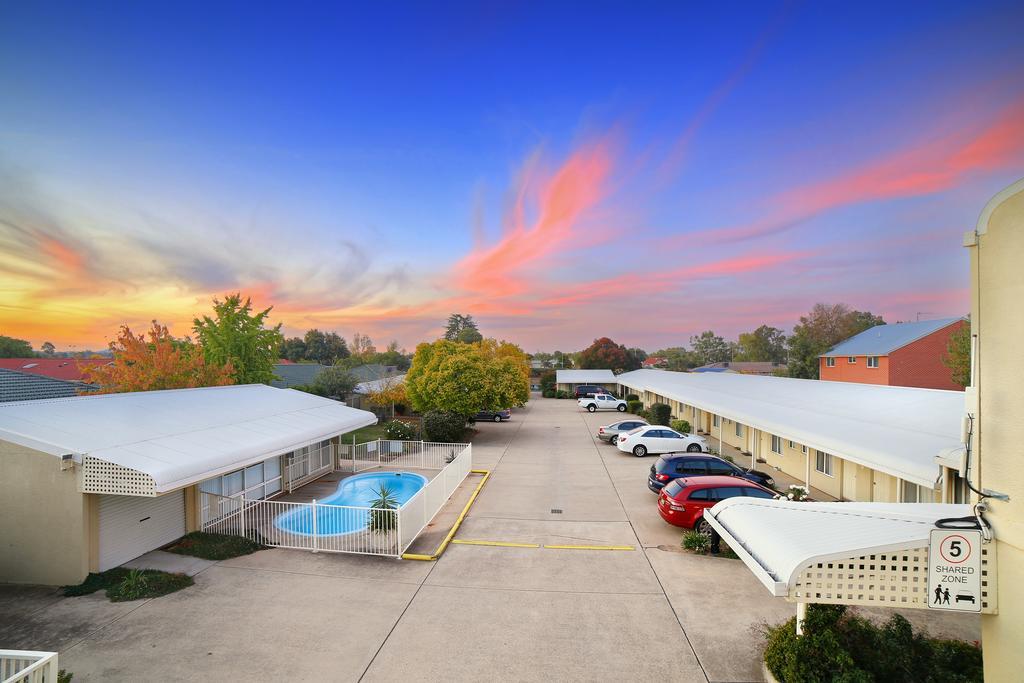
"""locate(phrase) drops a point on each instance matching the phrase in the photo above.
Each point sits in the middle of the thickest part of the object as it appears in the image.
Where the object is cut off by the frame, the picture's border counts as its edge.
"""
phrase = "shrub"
(382, 516)
(696, 542)
(681, 426)
(64, 676)
(130, 584)
(645, 415)
(634, 406)
(547, 380)
(729, 458)
(548, 393)
(839, 646)
(214, 546)
(443, 426)
(397, 430)
(632, 397)
(660, 414)
(561, 394)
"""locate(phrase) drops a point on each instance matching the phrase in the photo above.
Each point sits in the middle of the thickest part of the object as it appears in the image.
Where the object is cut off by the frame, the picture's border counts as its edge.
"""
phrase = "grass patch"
(364, 434)
(123, 584)
(214, 546)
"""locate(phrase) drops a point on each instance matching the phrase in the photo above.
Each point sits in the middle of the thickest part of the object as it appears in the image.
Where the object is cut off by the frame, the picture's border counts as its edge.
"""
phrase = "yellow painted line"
(458, 522)
(590, 547)
(500, 544)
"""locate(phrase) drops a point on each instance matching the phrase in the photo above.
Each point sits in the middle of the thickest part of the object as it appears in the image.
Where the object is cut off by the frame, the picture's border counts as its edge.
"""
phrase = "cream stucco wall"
(997, 316)
(44, 521)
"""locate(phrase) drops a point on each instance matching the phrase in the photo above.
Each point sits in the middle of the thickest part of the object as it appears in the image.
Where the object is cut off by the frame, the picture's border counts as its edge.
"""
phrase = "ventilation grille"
(100, 476)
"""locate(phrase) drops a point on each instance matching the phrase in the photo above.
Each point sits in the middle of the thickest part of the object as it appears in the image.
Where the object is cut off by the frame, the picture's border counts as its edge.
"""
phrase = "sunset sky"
(560, 173)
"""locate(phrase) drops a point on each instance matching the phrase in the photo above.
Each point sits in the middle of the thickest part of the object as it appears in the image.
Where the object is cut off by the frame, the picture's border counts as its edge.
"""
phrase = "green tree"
(335, 382)
(465, 378)
(48, 349)
(470, 335)
(326, 348)
(635, 358)
(15, 348)
(362, 346)
(822, 328)
(293, 349)
(708, 348)
(677, 358)
(766, 344)
(237, 336)
(603, 354)
(457, 325)
(958, 355)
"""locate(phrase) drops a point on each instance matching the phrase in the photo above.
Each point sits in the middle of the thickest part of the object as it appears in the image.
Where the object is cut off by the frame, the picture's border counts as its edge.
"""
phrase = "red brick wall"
(919, 364)
(844, 371)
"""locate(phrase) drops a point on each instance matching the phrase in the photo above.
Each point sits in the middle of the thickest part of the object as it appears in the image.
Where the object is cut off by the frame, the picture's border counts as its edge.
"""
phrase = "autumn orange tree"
(159, 362)
(391, 391)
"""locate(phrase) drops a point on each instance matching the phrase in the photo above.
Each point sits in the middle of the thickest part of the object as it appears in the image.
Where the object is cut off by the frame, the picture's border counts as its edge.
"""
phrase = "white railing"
(417, 512)
(309, 464)
(28, 666)
(347, 529)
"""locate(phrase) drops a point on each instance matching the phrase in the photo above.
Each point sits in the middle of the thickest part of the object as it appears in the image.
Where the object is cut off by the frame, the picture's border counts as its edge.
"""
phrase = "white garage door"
(133, 525)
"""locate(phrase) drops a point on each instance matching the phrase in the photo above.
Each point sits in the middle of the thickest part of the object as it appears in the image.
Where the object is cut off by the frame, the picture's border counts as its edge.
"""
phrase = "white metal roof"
(182, 436)
(378, 384)
(896, 430)
(776, 539)
(585, 377)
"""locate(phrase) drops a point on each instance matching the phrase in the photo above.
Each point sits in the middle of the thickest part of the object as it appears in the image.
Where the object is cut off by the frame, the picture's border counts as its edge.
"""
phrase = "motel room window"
(830, 362)
(791, 445)
(872, 361)
(714, 420)
(803, 449)
(851, 360)
(912, 493)
(739, 429)
(776, 444)
(255, 481)
(823, 462)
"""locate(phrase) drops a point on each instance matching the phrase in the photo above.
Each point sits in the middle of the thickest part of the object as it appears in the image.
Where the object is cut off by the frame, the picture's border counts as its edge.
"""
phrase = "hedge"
(443, 426)
(661, 414)
(632, 397)
(681, 426)
(634, 406)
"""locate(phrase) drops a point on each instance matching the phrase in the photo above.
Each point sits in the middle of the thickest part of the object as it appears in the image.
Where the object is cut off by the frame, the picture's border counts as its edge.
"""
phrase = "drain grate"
(556, 511)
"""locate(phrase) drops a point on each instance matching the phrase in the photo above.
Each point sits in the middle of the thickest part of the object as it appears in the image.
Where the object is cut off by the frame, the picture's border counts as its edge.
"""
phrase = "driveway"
(480, 612)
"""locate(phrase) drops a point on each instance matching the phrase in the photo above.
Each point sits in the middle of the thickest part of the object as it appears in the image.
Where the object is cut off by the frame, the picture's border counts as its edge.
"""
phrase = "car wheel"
(640, 450)
(693, 448)
(614, 440)
(497, 418)
(592, 408)
(621, 408)
(703, 527)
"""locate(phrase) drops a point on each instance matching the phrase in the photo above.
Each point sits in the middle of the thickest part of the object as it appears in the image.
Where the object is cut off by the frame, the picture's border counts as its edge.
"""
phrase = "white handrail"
(28, 666)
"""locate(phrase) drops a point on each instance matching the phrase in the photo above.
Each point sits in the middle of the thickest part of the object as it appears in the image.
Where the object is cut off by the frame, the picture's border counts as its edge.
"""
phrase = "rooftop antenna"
(920, 313)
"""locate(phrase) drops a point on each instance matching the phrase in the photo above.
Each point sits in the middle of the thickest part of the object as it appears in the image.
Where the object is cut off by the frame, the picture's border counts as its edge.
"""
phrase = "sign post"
(954, 570)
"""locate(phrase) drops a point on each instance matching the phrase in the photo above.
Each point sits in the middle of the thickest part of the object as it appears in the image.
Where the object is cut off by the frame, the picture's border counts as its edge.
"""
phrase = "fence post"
(315, 544)
(398, 530)
(242, 499)
(423, 456)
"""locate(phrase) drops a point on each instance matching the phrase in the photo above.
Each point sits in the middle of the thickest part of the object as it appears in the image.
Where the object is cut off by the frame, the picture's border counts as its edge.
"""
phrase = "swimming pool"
(358, 491)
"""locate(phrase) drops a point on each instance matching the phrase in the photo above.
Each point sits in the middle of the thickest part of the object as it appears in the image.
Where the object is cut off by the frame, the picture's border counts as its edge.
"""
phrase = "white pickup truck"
(602, 402)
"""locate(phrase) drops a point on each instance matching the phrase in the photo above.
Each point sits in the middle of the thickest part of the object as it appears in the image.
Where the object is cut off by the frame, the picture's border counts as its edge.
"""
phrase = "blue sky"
(371, 169)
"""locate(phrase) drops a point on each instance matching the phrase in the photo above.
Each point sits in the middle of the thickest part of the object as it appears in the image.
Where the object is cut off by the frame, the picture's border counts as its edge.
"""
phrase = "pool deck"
(328, 484)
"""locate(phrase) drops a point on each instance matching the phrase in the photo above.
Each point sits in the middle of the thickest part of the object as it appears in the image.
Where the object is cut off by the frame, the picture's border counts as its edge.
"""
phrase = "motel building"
(568, 380)
(92, 482)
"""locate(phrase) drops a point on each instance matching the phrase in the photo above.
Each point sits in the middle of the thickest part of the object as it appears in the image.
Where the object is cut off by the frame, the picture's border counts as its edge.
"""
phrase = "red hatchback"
(682, 502)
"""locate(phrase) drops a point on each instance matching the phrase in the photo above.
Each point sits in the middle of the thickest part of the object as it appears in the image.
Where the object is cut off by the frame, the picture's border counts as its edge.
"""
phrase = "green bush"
(681, 426)
(547, 380)
(64, 676)
(696, 542)
(214, 546)
(444, 426)
(839, 646)
(645, 415)
(548, 393)
(397, 430)
(123, 584)
(632, 397)
(661, 414)
(634, 406)
(561, 394)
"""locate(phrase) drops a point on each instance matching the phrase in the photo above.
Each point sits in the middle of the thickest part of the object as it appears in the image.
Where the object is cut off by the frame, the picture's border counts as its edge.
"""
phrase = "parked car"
(683, 501)
(675, 465)
(659, 439)
(602, 402)
(965, 596)
(492, 415)
(590, 391)
(610, 433)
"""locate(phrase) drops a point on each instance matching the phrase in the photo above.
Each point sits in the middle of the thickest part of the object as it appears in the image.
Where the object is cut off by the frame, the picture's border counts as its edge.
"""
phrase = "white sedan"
(602, 402)
(659, 439)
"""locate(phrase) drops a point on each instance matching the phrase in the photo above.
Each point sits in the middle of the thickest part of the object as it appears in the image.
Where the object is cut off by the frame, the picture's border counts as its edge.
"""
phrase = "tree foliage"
(48, 349)
(821, 329)
(237, 336)
(603, 354)
(465, 378)
(677, 358)
(958, 355)
(462, 328)
(15, 348)
(362, 346)
(334, 382)
(765, 344)
(635, 358)
(159, 362)
(326, 348)
(390, 393)
(708, 348)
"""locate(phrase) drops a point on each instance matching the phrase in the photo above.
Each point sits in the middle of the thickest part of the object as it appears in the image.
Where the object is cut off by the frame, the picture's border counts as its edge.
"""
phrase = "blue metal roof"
(881, 340)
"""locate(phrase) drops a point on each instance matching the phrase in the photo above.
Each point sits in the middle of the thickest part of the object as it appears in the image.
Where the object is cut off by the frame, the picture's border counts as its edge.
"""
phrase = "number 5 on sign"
(954, 570)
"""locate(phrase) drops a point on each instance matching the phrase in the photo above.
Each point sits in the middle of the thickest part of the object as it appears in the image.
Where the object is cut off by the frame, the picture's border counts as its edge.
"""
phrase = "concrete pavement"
(478, 613)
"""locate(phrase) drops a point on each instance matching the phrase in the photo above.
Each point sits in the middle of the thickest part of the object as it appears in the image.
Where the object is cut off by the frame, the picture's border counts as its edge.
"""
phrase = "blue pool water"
(357, 491)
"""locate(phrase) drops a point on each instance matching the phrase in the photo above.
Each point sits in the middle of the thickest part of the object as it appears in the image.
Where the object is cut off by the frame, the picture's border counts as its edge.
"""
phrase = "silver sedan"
(610, 433)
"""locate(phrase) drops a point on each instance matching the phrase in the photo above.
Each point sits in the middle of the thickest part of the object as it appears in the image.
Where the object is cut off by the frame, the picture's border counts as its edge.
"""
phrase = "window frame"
(874, 364)
(777, 449)
(738, 428)
(830, 362)
(851, 360)
(826, 465)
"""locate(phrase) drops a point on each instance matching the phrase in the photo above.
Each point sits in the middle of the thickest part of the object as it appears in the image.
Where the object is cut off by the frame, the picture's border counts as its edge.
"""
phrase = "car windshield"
(673, 488)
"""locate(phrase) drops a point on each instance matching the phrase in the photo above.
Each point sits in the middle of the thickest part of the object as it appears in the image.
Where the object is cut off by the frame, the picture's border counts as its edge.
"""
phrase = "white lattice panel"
(100, 476)
(897, 579)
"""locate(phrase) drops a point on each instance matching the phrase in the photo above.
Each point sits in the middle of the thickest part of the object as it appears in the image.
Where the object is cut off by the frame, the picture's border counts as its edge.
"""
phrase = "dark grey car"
(610, 433)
